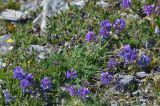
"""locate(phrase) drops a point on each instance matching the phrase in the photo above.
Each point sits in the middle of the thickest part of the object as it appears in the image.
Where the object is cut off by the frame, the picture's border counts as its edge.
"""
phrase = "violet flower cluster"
(18, 73)
(71, 74)
(144, 61)
(105, 28)
(148, 9)
(112, 63)
(26, 80)
(72, 90)
(46, 83)
(119, 86)
(82, 92)
(128, 55)
(119, 25)
(90, 36)
(126, 3)
(8, 97)
(157, 9)
(106, 78)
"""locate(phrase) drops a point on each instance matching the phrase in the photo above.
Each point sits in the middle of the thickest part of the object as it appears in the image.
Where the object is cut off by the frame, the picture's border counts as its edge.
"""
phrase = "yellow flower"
(29, 63)
(9, 40)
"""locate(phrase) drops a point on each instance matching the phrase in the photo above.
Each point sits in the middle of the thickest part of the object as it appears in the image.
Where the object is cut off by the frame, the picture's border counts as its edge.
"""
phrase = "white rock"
(80, 3)
(37, 48)
(143, 104)
(133, 16)
(41, 51)
(127, 79)
(4, 46)
(157, 31)
(51, 8)
(1, 63)
(114, 103)
(12, 15)
(29, 6)
(102, 4)
(141, 74)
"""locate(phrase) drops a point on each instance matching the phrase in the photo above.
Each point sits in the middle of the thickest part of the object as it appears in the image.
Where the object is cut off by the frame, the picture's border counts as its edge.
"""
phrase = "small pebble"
(114, 103)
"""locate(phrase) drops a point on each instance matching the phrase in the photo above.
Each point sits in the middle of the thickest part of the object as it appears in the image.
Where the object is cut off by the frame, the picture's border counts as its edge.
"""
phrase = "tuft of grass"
(10, 5)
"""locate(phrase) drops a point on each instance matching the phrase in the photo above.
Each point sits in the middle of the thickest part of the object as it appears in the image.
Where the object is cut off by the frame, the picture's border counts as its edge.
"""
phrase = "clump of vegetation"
(10, 5)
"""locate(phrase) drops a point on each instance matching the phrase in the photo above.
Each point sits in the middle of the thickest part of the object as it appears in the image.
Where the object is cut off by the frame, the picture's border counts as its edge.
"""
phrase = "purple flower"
(72, 90)
(148, 9)
(144, 61)
(71, 74)
(104, 33)
(128, 54)
(112, 63)
(157, 9)
(106, 78)
(119, 86)
(7, 95)
(90, 36)
(46, 83)
(105, 28)
(18, 73)
(83, 92)
(29, 77)
(106, 23)
(119, 25)
(126, 3)
(25, 84)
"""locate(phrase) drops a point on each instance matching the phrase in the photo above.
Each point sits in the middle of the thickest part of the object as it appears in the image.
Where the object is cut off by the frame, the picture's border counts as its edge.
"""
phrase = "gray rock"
(143, 104)
(4, 46)
(143, 100)
(133, 16)
(127, 103)
(80, 3)
(141, 74)
(114, 103)
(157, 31)
(148, 88)
(1, 63)
(41, 51)
(12, 15)
(155, 104)
(37, 48)
(136, 93)
(29, 7)
(111, 92)
(1, 83)
(4, 1)
(126, 79)
(103, 4)
(51, 8)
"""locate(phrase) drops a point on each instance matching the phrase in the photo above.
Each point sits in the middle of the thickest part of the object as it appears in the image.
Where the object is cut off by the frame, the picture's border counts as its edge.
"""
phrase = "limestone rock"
(4, 46)
(13, 15)
(51, 8)
(41, 51)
